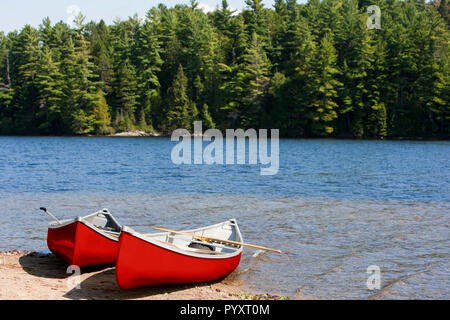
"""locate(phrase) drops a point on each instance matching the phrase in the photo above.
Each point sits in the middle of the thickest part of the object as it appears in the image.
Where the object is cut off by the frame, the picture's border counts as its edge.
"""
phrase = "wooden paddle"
(220, 241)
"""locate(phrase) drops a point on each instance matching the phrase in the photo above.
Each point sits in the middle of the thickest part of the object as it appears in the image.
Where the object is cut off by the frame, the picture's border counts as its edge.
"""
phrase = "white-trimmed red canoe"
(169, 258)
(86, 241)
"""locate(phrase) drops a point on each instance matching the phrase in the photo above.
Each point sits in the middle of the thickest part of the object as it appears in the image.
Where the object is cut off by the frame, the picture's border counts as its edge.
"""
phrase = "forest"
(310, 70)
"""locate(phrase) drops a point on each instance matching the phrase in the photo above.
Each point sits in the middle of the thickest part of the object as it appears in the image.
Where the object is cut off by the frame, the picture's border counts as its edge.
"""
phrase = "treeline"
(310, 70)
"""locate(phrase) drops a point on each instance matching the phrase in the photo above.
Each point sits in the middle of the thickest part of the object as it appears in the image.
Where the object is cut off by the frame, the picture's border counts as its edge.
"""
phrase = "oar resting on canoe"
(219, 241)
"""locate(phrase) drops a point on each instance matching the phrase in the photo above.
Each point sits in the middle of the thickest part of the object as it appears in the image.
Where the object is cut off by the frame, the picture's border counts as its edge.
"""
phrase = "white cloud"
(206, 7)
(236, 12)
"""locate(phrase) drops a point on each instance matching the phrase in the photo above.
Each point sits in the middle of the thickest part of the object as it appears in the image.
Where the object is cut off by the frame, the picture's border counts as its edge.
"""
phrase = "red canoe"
(91, 240)
(169, 258)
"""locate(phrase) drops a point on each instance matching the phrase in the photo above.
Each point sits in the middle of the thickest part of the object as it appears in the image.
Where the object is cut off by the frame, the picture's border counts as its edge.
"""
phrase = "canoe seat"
(192, 249)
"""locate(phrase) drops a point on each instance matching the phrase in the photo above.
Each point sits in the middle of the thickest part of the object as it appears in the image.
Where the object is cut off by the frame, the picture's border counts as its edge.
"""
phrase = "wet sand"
(36, 276)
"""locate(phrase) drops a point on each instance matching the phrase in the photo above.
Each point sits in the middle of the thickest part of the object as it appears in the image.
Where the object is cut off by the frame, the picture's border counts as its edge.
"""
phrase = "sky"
(14, 15)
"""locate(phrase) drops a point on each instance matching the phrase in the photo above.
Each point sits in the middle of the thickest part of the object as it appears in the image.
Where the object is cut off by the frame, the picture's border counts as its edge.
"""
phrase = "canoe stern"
(61, 241)
(78, 244)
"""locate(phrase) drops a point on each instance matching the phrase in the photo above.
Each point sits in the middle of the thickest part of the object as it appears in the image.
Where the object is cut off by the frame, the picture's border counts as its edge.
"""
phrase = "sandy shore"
(36, 276)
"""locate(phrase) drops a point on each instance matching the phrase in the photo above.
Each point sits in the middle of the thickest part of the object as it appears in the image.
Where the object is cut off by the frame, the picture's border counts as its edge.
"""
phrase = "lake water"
(335, 207)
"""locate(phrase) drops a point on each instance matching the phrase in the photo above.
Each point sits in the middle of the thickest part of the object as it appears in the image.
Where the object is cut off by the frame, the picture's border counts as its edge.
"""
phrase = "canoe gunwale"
(66, 222)
(170, 247)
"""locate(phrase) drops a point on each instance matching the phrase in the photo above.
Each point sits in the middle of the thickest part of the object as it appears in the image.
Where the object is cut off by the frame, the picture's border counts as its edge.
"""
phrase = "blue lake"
(335, 207)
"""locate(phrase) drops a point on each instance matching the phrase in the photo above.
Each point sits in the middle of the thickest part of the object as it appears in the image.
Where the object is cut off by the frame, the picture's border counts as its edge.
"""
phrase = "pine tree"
(6, 90)
(102, 54)
(256, 19)
(362, 111)
(148, 65)
(49, 82)
(255, 67)
(323, 109)
(280, 35)
(376, 122)
(222, 19)
(432, 87)
(46, 32)
(208, 122)
(443, 7)
(301, 84)
(233, 92)
(180, 110)
(277, 116)
(24, 58)
(100, 114)
(168, 24)
(80, 86)
(126, 96)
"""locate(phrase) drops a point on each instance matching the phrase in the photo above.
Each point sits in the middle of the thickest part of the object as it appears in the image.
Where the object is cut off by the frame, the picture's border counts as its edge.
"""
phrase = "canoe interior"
(103, 221)
(227, 230)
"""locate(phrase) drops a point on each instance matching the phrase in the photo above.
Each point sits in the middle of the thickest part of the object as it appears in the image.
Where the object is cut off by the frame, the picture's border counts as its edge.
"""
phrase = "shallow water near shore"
(335, 207)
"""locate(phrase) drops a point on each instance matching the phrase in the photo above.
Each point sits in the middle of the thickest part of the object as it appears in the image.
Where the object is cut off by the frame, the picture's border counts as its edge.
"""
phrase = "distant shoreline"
(145, 134)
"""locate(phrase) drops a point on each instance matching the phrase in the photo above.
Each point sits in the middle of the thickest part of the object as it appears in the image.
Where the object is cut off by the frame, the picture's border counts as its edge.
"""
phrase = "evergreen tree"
(311, 69)
(256, 19)
(100, 114)
(181, 111)
(126, 96)
(255, 67)
(49, 82)
(6, 90)
(208, 122)
(149, 62)
(323, 108)
(80, 86)
(301, 83)
(102, 54)
(24, 63)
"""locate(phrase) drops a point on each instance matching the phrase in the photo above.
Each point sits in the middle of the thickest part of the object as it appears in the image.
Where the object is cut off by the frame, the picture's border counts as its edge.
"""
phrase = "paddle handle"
(52, 216)
(209, 239)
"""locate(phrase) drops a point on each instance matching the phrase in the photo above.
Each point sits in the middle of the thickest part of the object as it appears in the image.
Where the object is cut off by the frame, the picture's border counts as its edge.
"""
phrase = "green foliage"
(181, 111)
(49, 82)
(311, 70)
(100, 112)
(207, 120)
(126, 95)
(322, 110)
